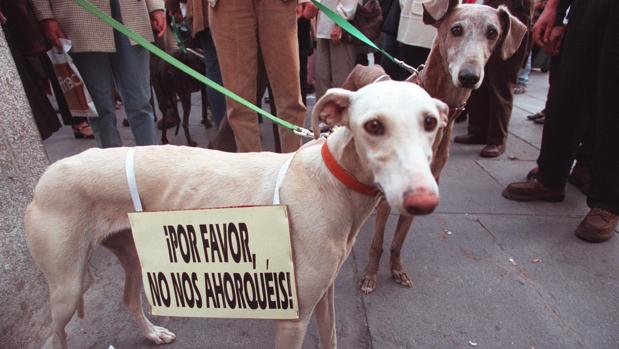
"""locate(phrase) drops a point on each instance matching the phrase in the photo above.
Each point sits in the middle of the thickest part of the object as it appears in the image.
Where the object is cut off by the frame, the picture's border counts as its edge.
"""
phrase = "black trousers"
(584, 87)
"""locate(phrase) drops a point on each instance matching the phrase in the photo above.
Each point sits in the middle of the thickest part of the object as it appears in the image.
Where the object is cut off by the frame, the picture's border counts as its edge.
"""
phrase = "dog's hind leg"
(398, 274)
(290, 333)
(368, 280)
(64, 299)
(325, 318)
(122, 245)
(186, 102)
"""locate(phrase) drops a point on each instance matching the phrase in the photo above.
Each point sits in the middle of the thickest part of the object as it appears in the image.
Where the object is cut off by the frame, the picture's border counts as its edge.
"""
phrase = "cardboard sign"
(228, 262)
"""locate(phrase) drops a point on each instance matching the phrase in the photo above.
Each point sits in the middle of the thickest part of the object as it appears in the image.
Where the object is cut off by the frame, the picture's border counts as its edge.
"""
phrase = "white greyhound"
(385, 142)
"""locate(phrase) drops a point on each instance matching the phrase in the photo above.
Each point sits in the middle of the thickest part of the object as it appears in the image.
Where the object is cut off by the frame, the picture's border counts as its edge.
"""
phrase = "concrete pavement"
(487, 272)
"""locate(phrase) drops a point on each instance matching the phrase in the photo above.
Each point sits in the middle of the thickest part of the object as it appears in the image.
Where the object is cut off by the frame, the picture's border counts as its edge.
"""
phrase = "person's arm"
(545, 23)
(44, 12)
(156, 9)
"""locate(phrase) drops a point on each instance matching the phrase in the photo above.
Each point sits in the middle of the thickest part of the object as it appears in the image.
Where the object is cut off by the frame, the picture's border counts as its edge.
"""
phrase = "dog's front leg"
(397, 272)
(325, 318)
(368, 280)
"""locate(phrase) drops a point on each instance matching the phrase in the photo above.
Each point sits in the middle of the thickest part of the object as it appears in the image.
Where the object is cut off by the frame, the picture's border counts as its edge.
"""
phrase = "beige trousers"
(333, 64)
(240, 28)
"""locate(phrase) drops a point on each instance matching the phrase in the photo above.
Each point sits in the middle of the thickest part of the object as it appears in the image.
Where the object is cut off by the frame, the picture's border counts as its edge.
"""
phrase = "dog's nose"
(420, 202)
(468, 78)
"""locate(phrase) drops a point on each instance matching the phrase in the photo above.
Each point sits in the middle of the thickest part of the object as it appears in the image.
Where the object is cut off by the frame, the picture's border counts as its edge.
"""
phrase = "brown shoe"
(492, 150)
(598, 226)
(533, 173)
(533, 190)
(469, 139)
(580, 178)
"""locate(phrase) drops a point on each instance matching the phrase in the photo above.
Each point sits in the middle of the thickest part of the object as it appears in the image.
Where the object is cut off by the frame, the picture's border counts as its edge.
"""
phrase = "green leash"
(177, 36)
(359, 35)
(186, 69)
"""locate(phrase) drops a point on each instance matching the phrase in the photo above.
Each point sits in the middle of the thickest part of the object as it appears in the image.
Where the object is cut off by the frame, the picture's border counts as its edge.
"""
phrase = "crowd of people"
(298, 48)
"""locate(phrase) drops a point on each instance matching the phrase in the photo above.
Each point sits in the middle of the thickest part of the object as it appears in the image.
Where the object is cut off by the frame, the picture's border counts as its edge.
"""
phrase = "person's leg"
(234, 28)
(342, 59)
(131, 68)
(96, 71)
(322, 67)
(477, 108)
(523, 77)
(216, 99)
(390, 44)
(277, 23)
(605, 157)
(572, 92)
(502, 76)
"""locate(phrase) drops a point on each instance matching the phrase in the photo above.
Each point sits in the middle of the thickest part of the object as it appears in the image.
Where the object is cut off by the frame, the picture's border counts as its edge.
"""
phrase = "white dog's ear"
(513, 32)
(332, 109)
(443, 112)
(435, 10)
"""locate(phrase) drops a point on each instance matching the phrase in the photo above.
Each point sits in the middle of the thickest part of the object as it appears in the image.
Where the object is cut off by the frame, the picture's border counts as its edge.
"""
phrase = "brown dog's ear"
(332, 109)
(435, 10)
(443, 112)
(513, 32)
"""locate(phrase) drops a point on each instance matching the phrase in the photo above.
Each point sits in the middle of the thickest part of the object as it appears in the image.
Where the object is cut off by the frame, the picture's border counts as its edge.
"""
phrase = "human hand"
(553, 46)
(157, 22)
(310, 10)
(336, 34)
(53, 33)
(543, 26)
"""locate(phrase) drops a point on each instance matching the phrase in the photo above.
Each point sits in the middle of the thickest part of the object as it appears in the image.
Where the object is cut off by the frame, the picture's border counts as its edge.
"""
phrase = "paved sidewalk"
(487, 272)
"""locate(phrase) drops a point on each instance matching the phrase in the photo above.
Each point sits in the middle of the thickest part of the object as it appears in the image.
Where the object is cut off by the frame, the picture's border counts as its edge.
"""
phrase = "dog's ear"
(435, 10)
(332, 109)
(443, 112)
(513, 32)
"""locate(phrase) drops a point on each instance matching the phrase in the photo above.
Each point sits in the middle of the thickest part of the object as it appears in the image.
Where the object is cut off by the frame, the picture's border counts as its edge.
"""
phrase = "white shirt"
(411, 30)
(344, 8)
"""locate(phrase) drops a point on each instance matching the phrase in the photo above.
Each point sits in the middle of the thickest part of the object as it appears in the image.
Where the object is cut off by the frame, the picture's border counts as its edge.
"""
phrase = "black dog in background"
(171, 84)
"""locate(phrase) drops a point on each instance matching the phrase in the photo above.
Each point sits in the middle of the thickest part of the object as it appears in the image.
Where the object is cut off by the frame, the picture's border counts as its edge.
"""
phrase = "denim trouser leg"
(216, 99)
(131, 72)
(523, 75)
(96, 70)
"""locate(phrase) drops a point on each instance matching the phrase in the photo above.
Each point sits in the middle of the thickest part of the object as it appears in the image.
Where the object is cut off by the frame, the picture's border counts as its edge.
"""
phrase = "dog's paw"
(160, 335)
(368, 283)
(400, 277)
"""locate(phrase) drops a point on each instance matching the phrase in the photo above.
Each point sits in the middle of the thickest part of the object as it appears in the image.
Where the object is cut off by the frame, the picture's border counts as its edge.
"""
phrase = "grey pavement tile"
(466, 289)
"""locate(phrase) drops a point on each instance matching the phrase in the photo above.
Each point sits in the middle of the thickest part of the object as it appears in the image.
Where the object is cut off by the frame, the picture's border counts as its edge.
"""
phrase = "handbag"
(75, 93)
(368, 19)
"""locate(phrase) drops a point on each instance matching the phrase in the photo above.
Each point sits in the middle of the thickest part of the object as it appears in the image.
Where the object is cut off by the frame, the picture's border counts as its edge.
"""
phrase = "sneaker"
(598, 226)
(533, 190)
(520, 89)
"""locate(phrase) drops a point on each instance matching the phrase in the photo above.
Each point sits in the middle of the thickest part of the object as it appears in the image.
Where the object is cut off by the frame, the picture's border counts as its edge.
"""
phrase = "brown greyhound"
(467, 36)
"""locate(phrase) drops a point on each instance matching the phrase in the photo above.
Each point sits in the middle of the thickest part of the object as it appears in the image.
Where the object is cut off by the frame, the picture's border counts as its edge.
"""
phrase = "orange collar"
(343, 176)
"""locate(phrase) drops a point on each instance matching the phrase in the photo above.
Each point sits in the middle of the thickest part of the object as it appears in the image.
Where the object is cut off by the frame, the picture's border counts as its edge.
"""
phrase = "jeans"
(215, 99)
(523, 75)
(128, 70)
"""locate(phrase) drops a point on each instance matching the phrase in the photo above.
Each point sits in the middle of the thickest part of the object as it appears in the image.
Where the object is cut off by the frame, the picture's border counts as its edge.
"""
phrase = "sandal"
(83, 131)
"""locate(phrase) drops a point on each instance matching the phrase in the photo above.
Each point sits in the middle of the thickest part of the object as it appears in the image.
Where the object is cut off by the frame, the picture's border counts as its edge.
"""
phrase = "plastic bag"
(75, 93)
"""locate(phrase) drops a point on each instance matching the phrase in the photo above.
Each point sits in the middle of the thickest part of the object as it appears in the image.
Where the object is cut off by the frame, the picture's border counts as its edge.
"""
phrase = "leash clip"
(303, 132)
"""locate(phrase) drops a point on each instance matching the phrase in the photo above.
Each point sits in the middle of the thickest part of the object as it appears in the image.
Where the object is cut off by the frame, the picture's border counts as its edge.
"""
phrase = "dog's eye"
(492, 33)
(456, 30)
(374, 127)
(429, 123)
